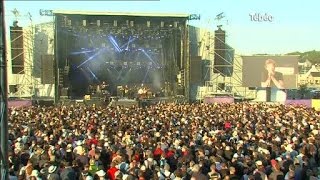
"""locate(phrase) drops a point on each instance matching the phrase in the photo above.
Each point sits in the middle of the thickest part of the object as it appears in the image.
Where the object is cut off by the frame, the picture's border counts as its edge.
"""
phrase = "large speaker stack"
(47, 72)
(64, 76)
(196, 70)
(17, 52)
(223, 54)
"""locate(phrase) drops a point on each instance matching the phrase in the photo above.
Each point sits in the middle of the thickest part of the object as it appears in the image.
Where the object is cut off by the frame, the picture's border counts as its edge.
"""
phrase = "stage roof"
(105, 13)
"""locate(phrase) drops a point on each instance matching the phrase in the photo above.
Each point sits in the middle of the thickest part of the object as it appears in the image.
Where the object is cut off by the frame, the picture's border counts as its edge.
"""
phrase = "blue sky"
(295, 25)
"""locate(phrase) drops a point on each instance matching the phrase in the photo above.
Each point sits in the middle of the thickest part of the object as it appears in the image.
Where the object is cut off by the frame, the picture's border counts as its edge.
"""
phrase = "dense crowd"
(165, 141)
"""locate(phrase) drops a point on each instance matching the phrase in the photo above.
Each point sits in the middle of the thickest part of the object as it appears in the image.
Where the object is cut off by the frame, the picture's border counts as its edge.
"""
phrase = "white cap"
(101, 173)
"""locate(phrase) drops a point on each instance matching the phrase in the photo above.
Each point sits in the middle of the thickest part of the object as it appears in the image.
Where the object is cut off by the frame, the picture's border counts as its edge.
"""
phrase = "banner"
(300, 102)
(219, 100)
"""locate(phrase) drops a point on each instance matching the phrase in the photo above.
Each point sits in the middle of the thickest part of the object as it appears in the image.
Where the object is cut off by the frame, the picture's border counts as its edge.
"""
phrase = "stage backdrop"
(254, 67)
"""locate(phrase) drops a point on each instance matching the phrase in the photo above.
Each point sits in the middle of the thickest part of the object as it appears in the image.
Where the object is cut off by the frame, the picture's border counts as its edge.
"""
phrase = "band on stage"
(125, 91)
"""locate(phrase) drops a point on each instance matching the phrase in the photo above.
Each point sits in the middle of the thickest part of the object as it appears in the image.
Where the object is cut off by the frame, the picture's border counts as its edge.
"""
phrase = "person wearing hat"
(35, 175)
(69, 156)
(260, 171)
(82, 158)
(53, 175)
(101, 174)
(89, 178)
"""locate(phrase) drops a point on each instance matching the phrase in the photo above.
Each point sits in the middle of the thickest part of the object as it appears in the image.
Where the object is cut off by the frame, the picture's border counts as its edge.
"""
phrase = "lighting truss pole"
(3, 99)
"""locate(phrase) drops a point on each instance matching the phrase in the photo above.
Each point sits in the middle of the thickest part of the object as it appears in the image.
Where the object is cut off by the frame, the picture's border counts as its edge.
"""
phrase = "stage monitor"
(270, 71)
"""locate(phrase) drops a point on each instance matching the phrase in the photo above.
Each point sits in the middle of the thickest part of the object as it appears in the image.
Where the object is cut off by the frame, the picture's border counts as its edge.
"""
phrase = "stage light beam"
(91, 57)
(145, 76)
(93, 74)
(127, 43)
(148, 56)
(114, 43)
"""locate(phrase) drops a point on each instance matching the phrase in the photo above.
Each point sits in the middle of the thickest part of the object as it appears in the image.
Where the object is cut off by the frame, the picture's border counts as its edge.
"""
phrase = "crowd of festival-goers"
(165, 141)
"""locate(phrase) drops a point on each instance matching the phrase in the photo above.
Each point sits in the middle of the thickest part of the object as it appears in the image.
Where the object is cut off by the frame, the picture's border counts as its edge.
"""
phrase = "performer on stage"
(125, 91)
(142, 92)
(104, 88)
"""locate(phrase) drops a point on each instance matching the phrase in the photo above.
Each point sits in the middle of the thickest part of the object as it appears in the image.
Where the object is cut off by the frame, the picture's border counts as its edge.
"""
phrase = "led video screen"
(270, 71)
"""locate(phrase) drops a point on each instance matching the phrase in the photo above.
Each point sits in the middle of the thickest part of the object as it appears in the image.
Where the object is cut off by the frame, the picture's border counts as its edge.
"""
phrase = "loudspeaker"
(13, 88)
(47, 73)
(180, 91)
(196, 70)
(219, 50)
(64, 92)
(223, 54)
(17, 51)
(206, 70)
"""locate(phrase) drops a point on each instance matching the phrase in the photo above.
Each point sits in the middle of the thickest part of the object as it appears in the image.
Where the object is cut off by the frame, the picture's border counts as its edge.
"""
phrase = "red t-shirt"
(111, 173)
(169, 154)
(227, 125)
(157, 152)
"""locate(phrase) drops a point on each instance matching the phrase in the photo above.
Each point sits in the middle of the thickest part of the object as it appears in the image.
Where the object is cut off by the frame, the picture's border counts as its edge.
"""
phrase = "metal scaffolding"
(28, 82)
(232, 84)
(3, 99)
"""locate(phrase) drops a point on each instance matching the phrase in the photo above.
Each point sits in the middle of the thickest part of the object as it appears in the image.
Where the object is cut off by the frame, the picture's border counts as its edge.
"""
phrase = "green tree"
(312, 56)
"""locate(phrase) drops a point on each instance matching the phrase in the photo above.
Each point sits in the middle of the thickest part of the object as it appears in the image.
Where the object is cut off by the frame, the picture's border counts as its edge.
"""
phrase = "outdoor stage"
(118, 50)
